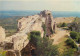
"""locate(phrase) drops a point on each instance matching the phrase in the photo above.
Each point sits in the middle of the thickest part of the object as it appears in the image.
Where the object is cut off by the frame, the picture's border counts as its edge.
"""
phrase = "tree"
(43, 45)
(45, 48)
(34, 37)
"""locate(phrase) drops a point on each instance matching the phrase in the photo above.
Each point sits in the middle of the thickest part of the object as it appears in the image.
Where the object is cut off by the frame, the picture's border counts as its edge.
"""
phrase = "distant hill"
(8, 14)
(10, 25)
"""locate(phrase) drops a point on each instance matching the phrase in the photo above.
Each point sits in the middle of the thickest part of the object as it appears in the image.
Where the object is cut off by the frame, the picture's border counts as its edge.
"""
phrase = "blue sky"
(53, 5)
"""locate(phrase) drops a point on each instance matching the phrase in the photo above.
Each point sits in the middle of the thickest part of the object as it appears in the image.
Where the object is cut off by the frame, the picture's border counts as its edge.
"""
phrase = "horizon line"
(35, 10)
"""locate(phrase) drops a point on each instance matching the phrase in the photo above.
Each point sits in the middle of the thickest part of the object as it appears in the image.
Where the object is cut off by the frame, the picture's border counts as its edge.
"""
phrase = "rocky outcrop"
(15, 43)
(2, 34)
(44, 16)
(48, 22)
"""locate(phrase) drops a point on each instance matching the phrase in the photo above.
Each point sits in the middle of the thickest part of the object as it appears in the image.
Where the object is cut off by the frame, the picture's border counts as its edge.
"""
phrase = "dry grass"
(62, 45)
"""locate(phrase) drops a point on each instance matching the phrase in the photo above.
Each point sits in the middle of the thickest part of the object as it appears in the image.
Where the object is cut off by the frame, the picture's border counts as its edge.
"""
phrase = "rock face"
(44, 16)
(2, 34)
(15, 43)
(48, 21)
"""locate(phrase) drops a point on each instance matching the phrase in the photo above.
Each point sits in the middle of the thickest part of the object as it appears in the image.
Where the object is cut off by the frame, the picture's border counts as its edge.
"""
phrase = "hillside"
(10, 25)
(64, 19)
(42, 24)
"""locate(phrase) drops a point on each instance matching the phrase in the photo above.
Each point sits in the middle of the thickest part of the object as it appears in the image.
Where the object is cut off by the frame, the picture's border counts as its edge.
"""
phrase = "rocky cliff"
(44, 17)
(15, 43)
(2, 34)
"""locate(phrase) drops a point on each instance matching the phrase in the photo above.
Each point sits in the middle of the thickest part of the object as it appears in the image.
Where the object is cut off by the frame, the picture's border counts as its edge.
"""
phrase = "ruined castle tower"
(2, 34)
(45, 16)
(48, 21)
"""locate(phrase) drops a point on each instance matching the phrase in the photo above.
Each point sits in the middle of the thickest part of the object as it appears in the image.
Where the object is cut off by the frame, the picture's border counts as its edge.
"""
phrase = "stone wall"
(23, 22)
(49, 22)
(19, 40)
(44, 16)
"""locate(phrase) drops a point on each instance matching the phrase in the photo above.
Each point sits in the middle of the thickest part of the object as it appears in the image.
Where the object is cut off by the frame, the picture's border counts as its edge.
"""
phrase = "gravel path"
(60, 34)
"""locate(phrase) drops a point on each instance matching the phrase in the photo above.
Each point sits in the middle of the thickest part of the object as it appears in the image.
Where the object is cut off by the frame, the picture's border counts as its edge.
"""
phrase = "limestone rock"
(20, 40)
(2, 34)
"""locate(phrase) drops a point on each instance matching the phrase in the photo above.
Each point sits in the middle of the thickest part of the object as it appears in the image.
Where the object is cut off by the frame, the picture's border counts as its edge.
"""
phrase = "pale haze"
(53, 5)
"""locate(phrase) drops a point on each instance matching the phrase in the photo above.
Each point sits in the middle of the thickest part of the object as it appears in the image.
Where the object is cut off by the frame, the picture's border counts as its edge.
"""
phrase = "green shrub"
(63, 25)
(59, 25)
(2, 52)
(69, 52)
(78, 38)
(78, 41)
(44, 28)
(43, 45)
(34, 37)
(73, 34)
(45, 48)
(71, 43)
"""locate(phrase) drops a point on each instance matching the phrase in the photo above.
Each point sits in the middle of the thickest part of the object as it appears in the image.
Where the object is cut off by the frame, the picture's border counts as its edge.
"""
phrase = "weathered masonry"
(19, 41)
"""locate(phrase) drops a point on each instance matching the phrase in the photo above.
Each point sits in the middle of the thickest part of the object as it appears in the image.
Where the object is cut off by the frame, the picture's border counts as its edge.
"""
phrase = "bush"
(73, 34)
(69, 52)
(2, 52)
(78, 38)
(44, 28)
(45, 48)
(63, 25)
(71, 43)
(59, 25)
(34, 37)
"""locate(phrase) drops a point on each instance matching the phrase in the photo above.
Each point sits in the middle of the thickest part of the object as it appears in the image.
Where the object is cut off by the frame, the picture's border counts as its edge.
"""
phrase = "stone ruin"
(44, 16)
(2, 34)
(49, 22)
(16, 43)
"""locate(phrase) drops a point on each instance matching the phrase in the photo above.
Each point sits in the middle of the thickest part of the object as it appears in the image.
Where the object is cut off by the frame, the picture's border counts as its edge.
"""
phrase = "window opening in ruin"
(48, 13)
